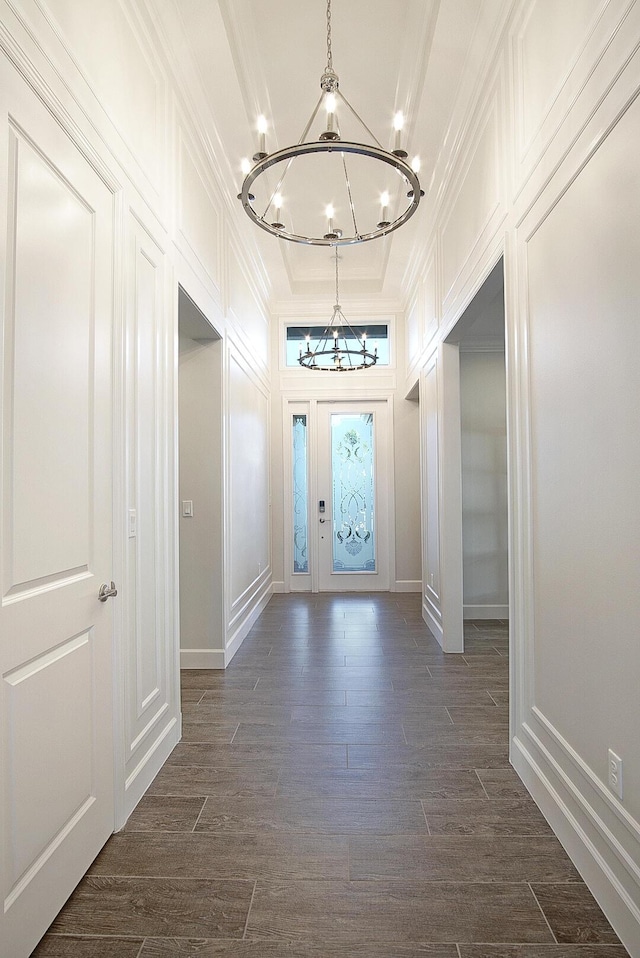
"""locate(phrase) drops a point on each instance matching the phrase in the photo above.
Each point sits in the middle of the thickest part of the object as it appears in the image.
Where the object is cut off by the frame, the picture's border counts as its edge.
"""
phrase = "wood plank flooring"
(341, 791)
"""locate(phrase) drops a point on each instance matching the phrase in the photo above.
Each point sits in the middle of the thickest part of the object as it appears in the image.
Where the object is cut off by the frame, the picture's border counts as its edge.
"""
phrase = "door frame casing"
(291, 405)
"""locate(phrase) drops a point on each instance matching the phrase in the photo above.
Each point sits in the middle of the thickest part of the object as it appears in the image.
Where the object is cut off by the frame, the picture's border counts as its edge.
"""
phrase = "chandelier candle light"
(340, 349)
(329, 163)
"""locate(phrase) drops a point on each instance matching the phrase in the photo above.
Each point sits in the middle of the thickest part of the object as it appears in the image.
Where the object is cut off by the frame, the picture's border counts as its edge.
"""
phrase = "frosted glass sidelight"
(353, 493)
(300, 497)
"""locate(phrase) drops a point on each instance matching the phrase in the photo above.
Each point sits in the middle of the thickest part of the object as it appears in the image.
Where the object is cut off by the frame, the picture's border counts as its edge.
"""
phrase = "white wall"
(540, 167)
(484, 485)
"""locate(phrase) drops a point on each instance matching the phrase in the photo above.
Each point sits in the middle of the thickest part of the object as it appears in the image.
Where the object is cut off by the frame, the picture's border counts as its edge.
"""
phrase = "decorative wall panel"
(108, 48)
(413, 330)
(147, 691)
(476, 207)
(251, 325)
(546, 49)
(198, 217)
(248, 439)
(431, 531)
(431, 306)
(584, 343)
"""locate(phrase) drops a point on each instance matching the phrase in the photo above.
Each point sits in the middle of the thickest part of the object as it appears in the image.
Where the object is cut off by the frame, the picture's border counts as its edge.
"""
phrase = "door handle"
(323, 520)
(107, 592)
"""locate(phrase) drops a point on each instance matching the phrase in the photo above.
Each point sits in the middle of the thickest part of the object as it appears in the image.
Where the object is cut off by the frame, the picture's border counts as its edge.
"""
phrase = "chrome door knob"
(106, 592)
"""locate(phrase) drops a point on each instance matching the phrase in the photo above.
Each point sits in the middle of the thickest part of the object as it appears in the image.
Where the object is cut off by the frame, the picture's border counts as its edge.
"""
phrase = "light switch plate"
(187, 508)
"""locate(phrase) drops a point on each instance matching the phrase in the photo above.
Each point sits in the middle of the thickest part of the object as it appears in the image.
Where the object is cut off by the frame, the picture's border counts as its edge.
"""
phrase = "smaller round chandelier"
(364, 190)
(340, 348)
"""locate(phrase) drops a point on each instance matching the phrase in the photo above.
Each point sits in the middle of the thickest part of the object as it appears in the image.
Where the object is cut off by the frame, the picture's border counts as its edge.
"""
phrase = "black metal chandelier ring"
(309, 362)
(291, 153)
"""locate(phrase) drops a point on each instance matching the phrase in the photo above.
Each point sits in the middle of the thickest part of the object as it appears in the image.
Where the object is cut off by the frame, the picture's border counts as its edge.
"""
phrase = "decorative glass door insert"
(353, 502)
(300, 496)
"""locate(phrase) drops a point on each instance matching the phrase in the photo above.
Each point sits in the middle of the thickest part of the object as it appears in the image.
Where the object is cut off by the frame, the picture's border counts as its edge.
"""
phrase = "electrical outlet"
(615, 774)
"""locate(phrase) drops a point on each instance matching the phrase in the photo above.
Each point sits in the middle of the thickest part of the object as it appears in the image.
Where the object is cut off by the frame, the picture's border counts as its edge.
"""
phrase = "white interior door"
(351, 514)
(56, 696)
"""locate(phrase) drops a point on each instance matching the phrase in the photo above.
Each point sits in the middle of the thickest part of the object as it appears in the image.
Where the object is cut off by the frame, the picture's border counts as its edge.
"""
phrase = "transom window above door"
(377, 336)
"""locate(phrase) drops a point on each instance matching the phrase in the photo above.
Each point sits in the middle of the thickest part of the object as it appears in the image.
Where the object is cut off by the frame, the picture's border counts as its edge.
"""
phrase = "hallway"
(341, 791)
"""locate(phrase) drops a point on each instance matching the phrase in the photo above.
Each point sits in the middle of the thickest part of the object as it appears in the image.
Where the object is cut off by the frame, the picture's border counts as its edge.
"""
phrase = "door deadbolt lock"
(106, 592)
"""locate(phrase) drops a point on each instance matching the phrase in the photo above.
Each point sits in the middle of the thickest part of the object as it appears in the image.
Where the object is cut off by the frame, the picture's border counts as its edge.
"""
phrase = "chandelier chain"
(329, 51)
(337, 293)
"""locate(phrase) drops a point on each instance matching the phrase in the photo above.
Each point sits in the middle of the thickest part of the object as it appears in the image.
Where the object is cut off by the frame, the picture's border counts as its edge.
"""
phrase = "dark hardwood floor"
(341, 791)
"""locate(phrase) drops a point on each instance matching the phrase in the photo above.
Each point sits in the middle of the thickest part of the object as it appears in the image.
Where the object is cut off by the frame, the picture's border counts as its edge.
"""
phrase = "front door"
(351, 514)
(56, 692)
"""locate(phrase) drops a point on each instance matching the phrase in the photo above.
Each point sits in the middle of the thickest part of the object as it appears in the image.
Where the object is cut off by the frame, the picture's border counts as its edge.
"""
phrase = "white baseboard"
(149, 765)
(408, 585)
(278, 587)
(598, 847)
(220, 658)
(486, 612)
(240, 633)
(202, 658)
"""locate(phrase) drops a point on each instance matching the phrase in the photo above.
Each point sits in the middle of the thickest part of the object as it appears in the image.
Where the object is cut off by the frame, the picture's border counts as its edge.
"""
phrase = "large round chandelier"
(334, 190)
(340, 348)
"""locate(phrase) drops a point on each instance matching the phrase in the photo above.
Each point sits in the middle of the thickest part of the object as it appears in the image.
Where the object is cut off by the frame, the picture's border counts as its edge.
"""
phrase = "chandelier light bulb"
(332, 232)
(261, 125)
(398, 125)
(277, 205)
(384, 203)
(330, 132)
(245, 166)
(415, 164)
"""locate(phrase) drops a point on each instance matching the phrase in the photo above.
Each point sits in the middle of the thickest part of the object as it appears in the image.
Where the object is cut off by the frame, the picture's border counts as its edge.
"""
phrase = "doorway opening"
(202, 639)
(479, 337)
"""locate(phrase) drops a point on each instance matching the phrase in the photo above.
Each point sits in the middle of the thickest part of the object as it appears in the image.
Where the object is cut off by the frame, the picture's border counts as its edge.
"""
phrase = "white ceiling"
(241, 58)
